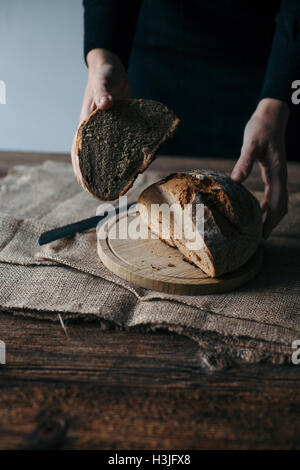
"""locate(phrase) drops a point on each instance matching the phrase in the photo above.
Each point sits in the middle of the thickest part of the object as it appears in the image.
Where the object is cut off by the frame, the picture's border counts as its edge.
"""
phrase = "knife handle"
(77, 227)
(68, 230)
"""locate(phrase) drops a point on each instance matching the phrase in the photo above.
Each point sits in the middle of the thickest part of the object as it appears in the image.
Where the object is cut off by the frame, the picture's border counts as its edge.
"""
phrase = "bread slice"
(232, 218)
(115, 145)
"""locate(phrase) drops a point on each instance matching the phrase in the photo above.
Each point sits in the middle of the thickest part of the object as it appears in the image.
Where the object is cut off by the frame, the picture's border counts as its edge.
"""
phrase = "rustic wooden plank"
(94, 416)
(40, 350)
(106, 389)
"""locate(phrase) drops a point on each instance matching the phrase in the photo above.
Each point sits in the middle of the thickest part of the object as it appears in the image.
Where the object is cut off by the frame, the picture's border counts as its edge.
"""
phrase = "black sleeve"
(110, 24)
(284, 61)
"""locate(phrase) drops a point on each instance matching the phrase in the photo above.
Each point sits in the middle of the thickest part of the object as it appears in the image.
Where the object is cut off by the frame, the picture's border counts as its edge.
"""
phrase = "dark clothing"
(209, 61)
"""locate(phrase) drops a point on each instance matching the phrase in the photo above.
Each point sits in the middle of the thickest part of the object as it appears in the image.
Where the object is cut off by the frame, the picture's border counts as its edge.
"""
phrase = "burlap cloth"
(257, 322)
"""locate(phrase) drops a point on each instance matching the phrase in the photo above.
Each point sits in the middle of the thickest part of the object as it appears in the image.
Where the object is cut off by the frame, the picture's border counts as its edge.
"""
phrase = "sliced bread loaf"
(232, 220)
(115, 145)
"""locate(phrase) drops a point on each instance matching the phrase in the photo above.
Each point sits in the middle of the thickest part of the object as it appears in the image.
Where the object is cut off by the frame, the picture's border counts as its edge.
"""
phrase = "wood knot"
(49, 434)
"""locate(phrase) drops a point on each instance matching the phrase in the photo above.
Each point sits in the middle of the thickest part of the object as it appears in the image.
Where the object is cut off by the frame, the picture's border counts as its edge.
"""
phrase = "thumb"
(103, 99)
(243, 166)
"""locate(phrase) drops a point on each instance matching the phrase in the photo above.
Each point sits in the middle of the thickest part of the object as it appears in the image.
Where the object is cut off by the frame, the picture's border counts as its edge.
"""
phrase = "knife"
(80, 226)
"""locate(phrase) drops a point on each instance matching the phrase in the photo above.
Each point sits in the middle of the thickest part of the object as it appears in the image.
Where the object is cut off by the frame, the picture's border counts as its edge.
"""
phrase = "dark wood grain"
(116, 390)
(104, 389)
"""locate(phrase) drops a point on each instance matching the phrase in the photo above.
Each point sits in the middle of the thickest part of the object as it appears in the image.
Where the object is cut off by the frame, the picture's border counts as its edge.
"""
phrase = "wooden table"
(115, 390)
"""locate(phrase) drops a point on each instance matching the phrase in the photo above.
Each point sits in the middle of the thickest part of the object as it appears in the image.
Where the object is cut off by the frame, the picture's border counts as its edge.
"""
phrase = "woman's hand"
(264, 142)
(107, 80)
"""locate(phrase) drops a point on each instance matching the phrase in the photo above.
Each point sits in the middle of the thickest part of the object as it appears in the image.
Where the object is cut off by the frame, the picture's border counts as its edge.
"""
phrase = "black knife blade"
(78, 227)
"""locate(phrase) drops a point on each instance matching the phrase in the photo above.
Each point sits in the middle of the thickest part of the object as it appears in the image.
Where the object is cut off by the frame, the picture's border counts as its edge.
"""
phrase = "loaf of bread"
(115, 145)
(231, 227)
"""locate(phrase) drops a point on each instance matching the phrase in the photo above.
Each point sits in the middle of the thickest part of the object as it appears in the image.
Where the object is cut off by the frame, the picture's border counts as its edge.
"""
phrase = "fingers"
(105, 92)
(103, 100)
(99, 99)
(275, 213)
(74, 159)
(276, 203)
(264, 202)
(264, 205)
(243, 166)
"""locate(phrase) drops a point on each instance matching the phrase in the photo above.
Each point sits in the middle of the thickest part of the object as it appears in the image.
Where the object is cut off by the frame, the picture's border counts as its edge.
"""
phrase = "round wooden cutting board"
(152, 264)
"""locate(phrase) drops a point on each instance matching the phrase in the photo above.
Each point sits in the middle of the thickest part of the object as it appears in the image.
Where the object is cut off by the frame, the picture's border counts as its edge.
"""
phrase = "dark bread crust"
(233, 220)
(116, 145)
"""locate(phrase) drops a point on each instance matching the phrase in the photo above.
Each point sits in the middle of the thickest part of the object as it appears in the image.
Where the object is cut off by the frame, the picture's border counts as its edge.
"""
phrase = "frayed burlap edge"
(215, 352)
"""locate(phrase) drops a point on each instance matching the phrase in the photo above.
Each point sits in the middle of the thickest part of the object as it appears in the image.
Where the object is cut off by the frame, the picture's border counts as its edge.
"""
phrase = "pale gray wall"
(41, 63)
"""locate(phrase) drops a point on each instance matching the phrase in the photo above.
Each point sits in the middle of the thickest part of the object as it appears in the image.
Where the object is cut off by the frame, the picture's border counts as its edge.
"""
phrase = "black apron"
(208, 67)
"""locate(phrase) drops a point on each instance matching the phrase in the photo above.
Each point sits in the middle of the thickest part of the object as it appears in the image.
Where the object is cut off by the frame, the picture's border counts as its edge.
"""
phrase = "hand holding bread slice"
(115, 145)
